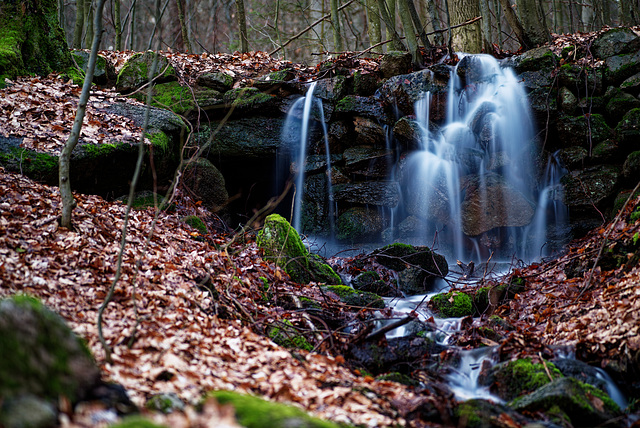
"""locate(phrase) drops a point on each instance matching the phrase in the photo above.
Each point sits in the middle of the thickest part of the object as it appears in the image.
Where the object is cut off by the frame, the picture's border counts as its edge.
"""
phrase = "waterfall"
(472, 181)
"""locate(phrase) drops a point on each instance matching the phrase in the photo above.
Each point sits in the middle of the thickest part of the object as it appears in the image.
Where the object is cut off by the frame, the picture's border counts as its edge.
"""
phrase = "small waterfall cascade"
(463, 380)
(472, 182)
(297, 132)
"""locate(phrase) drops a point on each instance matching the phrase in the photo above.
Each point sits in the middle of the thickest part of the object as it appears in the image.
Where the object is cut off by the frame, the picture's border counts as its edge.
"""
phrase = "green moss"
(254, 412)
(145, 199)
(136, 422)
(399, 378)
(281, 243)
(160, 141)
(165, 403)
(346, 104)
(196, 223)
(452, 304)
(468, 415)
(98, 150)
(356, 298)
(39, 166)
(177, 98)
(522, 376)
(309, 303)
(11, 37)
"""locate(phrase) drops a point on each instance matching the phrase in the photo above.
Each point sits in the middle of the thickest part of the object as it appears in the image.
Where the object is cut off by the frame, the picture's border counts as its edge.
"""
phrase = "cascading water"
(472, 181)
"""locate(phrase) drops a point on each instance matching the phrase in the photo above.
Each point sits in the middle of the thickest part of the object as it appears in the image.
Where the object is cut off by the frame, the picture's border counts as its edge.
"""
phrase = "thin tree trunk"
(417, 23)
(374, 30)
(514, 23)
(242, 25)
(88, 13)
(64, 168)
(438, 38)
(390, 8)
(410, 32)
(391, 29)
(338, 45)
(498, 28)
(486, 24)
(276, 24)
(79, 25)
(132, 26)
(183, 27)
(117, 24)
(61, 15)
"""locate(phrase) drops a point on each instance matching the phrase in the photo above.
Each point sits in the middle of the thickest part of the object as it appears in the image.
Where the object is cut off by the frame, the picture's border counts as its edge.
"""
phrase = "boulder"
(492, 202)
(217, 81)
(451, 305)
(181, 100)
(478, 413)
(590, 186)
(135, 71)
(583, 130)
(537, 59)
(615, 41)
(365, 83)
(368, 161)
(628, 129)
(394, 63)
(574, 157)
(583, 404)
(631, 167)
(104, 72)
(251, 100)
(359, 299)
(380, 193)
(281, 243)
(408, 132)
(332, 89)
(159, 118)
(512, 379)
(369, 131)
(618, 68)
(370, 281)
(404, 90)
(41, 356)
(207, 183)
(568, 101)
(314, 216)
(360, 224)
(578, 78)
(632, 84)
(399, 256)
(396, 354)
(356, 105)
(619, 103)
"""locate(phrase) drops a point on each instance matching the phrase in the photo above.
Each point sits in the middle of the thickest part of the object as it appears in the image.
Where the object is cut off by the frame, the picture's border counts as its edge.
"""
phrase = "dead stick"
(327, 16)
(382, 330)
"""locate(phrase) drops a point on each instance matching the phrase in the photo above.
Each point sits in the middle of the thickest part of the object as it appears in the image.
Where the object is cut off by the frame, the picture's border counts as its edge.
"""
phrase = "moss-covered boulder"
(595, 185)
(620, 67)
(135, 71)
(614, 42)
(370, 281)
(180, 99)
(244, 100)
(41, 356)
(511, 379)
(165, 403)
(286, 335)
(583, 404)
(31, 40)
(359, 224)
(207, 182)
(255, 412)
(282, 244)
(452, 305)
(218, 81)
(103, 74)
(395, 62)
(537, 59)
(361, 299)
(478, 413)
(196, 223)
(399, 256)
(628, 129)
(619, 103)
(584, 131)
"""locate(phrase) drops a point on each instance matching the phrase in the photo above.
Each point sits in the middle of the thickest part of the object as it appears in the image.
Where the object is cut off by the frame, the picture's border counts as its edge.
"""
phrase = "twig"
(327, 16)
(604, 243)
(384, 329)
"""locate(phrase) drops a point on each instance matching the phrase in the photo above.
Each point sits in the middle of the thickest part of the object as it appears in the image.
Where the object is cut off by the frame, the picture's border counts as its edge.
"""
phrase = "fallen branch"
(383, 330)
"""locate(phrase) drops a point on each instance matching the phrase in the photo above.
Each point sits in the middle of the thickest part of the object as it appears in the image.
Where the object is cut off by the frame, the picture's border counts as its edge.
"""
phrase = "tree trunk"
(337, 31)
(467, 38)
(409, 32)
(117, 25)
(533, 22)
(242, 26)
(68, 201)
(438, 38)
(389, 24)
(514, 23)
(61, 18)
(374, 30)
(417, 23)
(486, 25)
(183, 27)
(88, 22)
(79, 26)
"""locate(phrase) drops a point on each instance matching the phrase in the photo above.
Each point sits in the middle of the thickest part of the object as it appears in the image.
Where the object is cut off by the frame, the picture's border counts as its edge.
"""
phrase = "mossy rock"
(207, 182)
(577, 78)
(282, 244)
(394, 63)
(27, 411)
(41, 356)
(41, 167)
(137, 422)
(575, 130)
(218, 81)
(398, 256)
(135, 72)
(31, 40)
(356, 298)
(196, 223)
(478, 413)
(400, 378)
(103, 73)
(250, 99)
(165, 403)
(144, 199)
(181, 100)
(584, 404)
(452, 305)
(254, 412)
(541, 58)
(620, 67)
(514, 378)
(628, 129)
(286, 335)
(359, 224)
(370, 281)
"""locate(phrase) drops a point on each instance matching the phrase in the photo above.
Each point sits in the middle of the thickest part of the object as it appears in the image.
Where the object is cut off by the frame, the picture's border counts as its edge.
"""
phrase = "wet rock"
(27, 411)
(628, 129)
(364, 83)
(478, 413)
(537, 59)
(207, 183)
(159, 119)
(619, 104)
(632, 84)
(583, 404)
(618, 68)
(275, 80)
(512, 379)
(568, 101)
(368, 131)
(218, 81)
(380, 193)
(41, 356)
(573, 157)
(359, 299)
(584, 130)
(370, 281)
(544, 105)
(247, 100)
(394, 63)
(404, 90)
(615, 41)
(360, 224)
(281, 242)
(536, 80)
(396, 354)
(590, 186)
(578, 78)
(315, 208)
(253, 137)
(408, 132)
(181, 100)
(368, 161)
(332, 89)
(606, 152)
(361, 106)
(498, 204)
(631, 167)
(135, 71)
(580, 371)
(399, 256)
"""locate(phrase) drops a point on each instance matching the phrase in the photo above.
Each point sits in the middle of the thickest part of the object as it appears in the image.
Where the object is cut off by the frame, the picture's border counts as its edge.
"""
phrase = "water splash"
(463, 380)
